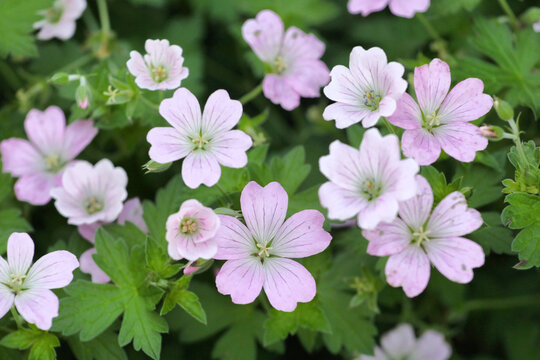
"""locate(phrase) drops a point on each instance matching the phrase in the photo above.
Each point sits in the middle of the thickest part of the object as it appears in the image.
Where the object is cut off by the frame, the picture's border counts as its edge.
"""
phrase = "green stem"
(502, 304)
(251, 95)
(90, 21)
(149, 103)
(16, 317)
(430, 29)
(389, 126)
(508, 10)
(224, 194)
(104, 17)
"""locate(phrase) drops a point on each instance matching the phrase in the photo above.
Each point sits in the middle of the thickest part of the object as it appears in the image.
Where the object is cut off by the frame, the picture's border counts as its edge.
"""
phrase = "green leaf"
(527, 244)
(158, 260)
(105, 346)
(179, 294)
(493, 236)
(10, 222)
(42, 343)
(448, 7)
(485, 184)
(437, 180)
(16, 25)
(355, 134)
(291, 170)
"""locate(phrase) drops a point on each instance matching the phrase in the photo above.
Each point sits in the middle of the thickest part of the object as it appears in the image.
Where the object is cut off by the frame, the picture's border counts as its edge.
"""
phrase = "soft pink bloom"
(419, 237)
(365, 91)
(368, 183)
(441, 119)
(28, 287)
(403, 8)
(292, 58)
(400, 343)
(161, 68)
(59, 20)
(190, 232)
(91, 193)
(205, 141)
(40, 162)
(536, 26)
(258, 255)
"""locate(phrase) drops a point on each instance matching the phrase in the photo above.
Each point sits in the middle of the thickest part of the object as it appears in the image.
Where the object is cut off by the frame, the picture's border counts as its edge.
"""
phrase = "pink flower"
(190, 232)
(442, 119)
(204, 141)
(368, 183)
(29, 287)
(400, 343)
(91, 193)
(365, 91)
(294, 68)
(417, 238)
(403, 8)
(161, 68)
(258, 255)
(40, 162)
(59, 20)
(536, 26)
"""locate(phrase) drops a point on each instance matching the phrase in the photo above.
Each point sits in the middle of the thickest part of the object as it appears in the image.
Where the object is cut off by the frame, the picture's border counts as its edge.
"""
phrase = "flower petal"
(407, 115)
(264, 209)
(460, 140)
(409, 269)
(299, 45)
(77, 136)
(421, 146)
(431, 345)
(366, 7)
(230, 148)
(307, 76)
(451, 217)
(242, 279)
(280, 92)
(6, 299)
(378, 153)
(388, 238)
(287, 283)
(20, 251)
(220, 113)
(407, 8)
(343, 87)
(234, 240)
(88, 231)
(264, 34)
(455, 257)
(382, 209)
(89, 266)
(38, 306)
(344, 114)
(431, 83)
(183, 112)
(46, 129)
(200, 167)
(465, 102)
(301, 235)
(168, 144)
(399, 342)
(342, 166)
(342, 204)
(191, 250)
(133, 212)
(19, 157)
(52, 271)
(35, 188)
(415, 211)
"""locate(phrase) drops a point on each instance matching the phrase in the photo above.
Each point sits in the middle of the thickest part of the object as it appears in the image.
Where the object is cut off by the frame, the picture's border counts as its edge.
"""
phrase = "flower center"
(263, 250)
(93, 206)
(188, 226)
(53, 163)
(159, 73)
(280, 65)
(372, 100)
(199, 142)
(420, 236)
(431, 121)
(16, 282)
(54, 14)
(370, 189)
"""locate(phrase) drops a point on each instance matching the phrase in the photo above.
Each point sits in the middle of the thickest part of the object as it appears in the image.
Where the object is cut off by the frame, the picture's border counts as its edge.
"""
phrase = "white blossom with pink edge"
(191, 230)
(28, 287)
(402, 8)
(368, 183)
(400, 343)
(91, 193)
(365, 91)
(205, 141)
(161, 68)
(59, 21)
(40, 162)
(292, 58)
(258, 253)
(420, 237)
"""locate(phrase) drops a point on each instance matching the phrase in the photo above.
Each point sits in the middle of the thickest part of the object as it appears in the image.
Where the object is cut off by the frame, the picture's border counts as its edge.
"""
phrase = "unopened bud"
(82, 95)
(493, 133)
(155, 167)
(199, 266)
(503, 109)
(467, 191)
(60, 78)
(227, 211)
(83, 104)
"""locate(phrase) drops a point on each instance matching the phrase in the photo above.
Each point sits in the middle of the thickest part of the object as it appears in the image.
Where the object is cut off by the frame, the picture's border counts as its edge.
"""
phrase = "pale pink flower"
(292, 59)
(400, 343)
(442, 119)
(59, 20)
(161, 68)
(258, 255)
(365, 91)
(368, 183)
(402, 8)
(419, 237)
(28, 287)
(190, 232)
(40, 162)
(132, 212)
(91, 193)
(205, 141)
(536, 26)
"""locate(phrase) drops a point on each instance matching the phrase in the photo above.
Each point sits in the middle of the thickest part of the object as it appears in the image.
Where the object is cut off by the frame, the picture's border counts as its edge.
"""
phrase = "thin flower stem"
(508, 10)
(224, 194)
(389, 126)
(90, 21)
(149, 103)
(104, 17)
(501, 304)
(251, 95)
(16, 317)
(430, 29)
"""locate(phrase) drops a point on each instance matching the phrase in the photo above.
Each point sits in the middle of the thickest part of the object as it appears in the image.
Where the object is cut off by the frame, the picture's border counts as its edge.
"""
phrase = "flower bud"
(493, 133)
(503, 109)
(60, 78)
(155, 167)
